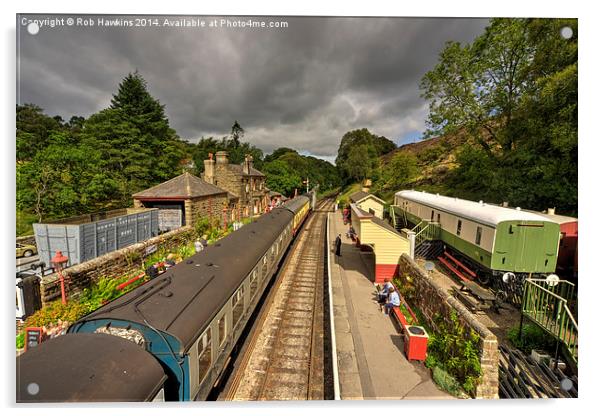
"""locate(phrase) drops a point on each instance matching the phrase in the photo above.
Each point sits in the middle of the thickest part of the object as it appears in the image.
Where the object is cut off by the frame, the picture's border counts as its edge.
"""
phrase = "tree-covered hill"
(502, 122)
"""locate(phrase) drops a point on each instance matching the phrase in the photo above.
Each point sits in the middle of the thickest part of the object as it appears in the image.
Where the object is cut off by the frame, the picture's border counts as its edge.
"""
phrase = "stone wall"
(116, 264)
(209, 207)
(229, 179)
(433, 300)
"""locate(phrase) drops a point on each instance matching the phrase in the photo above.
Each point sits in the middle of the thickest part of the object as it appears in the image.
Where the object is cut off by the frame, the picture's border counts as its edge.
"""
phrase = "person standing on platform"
(393, 300)
(337, 244)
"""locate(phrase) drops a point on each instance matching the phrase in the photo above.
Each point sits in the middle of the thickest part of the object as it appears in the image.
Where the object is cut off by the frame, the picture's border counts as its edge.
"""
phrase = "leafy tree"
(400, 171)
(62, 180)
(514, 92)
(280, 177)
(33, 130)
(277, 153)
(360, 162)
(237, 133)
(478, 87)
(356, 166)
(319, 172)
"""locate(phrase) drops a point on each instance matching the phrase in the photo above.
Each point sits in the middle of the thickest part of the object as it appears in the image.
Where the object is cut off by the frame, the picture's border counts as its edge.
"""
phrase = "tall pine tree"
(138, 146)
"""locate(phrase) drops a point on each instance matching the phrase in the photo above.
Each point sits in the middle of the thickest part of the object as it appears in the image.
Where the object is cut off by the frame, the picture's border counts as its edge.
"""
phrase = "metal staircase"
(398, 221)
(428, 244)
(553, 306)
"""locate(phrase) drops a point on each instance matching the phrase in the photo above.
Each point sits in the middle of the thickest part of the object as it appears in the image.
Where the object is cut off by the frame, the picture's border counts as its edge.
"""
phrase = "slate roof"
(358, 196)
(361, 195)
(252, 171)
(363, 214)
(184, 186)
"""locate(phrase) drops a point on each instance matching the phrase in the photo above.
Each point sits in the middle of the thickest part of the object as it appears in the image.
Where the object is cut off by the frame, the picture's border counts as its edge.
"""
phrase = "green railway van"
(492, 237)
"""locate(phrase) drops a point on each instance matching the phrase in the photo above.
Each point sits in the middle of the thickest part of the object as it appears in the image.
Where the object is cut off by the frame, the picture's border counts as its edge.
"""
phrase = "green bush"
(431, 154)
(102, 292)
(20, 340)
(444, 380)
(456, 351)
(52, 312)
(533, 338)
(202, 226)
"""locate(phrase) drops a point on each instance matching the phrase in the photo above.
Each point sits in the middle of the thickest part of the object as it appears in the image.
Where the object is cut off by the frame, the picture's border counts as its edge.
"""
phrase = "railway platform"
(370, 359)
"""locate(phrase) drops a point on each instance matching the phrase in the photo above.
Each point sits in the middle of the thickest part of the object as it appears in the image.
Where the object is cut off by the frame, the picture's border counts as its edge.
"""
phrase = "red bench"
(455, 271)
(397, 313)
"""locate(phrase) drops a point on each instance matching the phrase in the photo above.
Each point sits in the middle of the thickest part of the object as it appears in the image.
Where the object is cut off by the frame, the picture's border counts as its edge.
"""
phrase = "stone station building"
(184, 199)
(243, 181)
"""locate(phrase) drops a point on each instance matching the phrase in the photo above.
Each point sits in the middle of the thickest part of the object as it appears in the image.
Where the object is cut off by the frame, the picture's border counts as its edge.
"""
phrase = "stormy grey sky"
(303, 86)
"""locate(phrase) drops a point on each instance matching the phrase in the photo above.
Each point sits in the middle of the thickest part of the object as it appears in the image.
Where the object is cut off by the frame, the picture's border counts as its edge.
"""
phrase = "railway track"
(285, 356)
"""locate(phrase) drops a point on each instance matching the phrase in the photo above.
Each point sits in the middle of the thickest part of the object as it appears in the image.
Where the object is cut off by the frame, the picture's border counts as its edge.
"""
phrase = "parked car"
(26, 250)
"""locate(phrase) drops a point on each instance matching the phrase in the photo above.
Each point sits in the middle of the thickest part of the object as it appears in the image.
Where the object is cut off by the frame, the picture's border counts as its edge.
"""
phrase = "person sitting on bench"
(384, 293)
(393, 300)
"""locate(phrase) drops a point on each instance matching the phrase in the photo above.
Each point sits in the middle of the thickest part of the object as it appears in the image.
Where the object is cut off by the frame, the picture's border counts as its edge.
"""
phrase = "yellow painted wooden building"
(369, 203)
(387, 244)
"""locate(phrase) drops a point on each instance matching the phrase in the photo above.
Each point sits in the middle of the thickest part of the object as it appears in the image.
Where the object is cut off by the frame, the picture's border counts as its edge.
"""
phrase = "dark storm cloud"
(303, 86)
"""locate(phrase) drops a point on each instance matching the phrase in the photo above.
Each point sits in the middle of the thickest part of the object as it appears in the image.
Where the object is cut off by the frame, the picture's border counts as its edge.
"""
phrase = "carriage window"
(238, 305)
(204, 349)
(439, 218)
(253, 283)
(478, 237)
(510, 230)
(432, 216)
(221, 326)
(459, 229)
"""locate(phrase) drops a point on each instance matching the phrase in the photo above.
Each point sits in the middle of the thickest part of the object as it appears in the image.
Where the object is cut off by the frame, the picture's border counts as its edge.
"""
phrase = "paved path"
(369, 347)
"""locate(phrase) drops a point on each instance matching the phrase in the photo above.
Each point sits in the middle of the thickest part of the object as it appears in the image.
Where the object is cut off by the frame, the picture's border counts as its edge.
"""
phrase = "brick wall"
(433, 300)
(116, 264)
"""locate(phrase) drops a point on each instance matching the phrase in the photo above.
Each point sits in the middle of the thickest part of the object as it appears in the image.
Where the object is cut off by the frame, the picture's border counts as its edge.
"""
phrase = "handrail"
(565, 282)
(417, 227)
(551, 311)
(568, 311)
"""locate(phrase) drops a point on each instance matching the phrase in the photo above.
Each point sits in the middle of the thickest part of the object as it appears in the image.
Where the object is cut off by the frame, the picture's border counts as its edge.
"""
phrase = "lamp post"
(59, 261)
(225, 211)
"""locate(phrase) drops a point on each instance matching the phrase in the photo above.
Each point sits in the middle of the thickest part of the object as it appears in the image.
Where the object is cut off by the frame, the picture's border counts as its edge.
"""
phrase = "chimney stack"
(247, 164)
(505, 204)
(551, 211)
(221, 157)
(209, 175)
